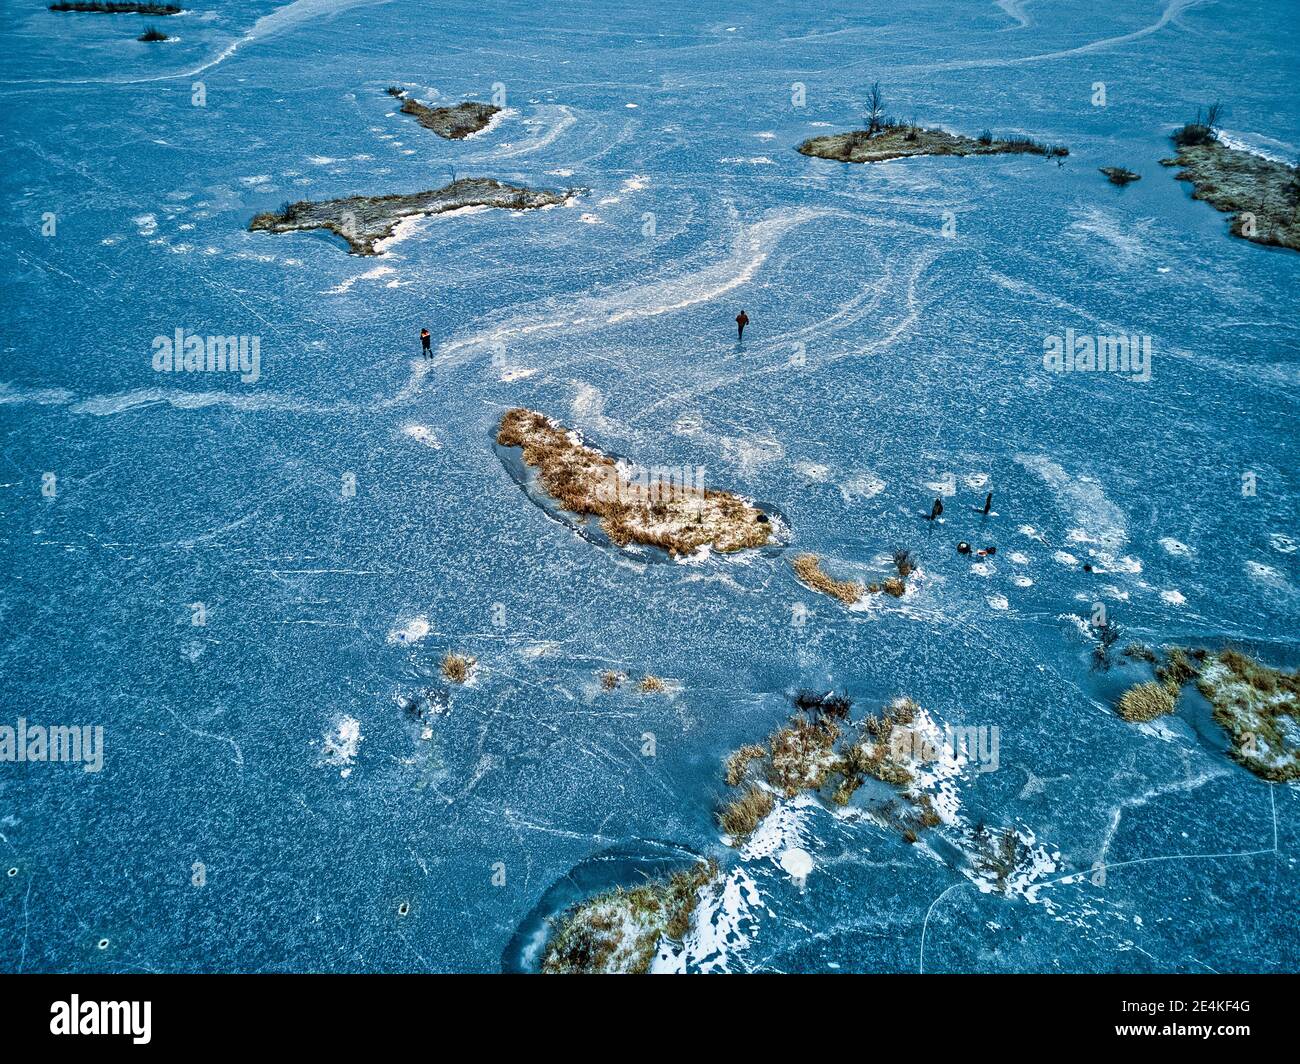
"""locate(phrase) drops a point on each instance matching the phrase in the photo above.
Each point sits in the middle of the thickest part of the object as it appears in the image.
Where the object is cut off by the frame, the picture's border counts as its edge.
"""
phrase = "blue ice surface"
(922, 364)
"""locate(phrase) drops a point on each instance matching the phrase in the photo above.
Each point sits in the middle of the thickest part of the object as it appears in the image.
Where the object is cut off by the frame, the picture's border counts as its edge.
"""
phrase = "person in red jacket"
(742, 319)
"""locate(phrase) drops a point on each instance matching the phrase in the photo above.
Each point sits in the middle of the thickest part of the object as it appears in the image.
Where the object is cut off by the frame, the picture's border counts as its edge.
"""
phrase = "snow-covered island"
(364, 221)
(452, 123)
(620, 932)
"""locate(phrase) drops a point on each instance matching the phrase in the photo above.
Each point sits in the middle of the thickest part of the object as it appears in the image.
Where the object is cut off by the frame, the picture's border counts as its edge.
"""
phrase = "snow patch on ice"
(423, 434)
(340, 745)
(411, 632)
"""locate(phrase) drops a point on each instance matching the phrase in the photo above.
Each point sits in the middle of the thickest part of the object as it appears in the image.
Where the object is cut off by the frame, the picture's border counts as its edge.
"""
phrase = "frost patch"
(339, 749)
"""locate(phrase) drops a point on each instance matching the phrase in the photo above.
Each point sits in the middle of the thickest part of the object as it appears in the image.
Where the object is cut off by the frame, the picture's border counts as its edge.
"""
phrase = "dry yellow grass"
(1250, 700)
(738, 762)
(740, 816)
(895, 586)
(800, 755)
(456, 667)
(808, 568)
(619, 931)
(672, 517)
(1144, 702)
(808, 754)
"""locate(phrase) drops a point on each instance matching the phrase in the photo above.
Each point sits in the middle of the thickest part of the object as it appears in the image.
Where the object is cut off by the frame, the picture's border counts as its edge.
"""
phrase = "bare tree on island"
(875, 110)
(1200, 131)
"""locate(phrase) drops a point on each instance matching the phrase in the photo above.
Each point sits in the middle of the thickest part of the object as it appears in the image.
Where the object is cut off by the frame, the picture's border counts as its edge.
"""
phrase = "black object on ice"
(936, 509)
(742, 319)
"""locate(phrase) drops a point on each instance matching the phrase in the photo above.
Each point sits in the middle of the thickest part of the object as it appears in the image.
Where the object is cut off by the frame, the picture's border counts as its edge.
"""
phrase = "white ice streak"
(750, 249)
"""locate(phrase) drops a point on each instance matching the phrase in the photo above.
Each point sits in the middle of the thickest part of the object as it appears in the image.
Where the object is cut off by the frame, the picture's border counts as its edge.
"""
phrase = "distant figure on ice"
(425, 341)
(936, 510)
(988, 502)
(742, 319)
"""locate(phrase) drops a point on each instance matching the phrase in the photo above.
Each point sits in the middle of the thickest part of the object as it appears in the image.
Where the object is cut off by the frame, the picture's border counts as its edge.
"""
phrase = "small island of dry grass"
(808, 568)
(676, 518)
(649, 684)
(364, 221)
(1263, 195)
(818, 749)
(1258, 706)
(620, 931)
(1145, 702)
(452, 123)
(457, 667)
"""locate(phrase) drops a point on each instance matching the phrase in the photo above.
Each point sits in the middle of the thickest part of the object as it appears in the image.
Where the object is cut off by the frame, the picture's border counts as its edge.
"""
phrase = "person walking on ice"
(742, 319)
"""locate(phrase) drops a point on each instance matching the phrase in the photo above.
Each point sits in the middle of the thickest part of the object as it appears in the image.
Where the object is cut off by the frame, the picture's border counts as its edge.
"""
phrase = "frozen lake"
(245, 582)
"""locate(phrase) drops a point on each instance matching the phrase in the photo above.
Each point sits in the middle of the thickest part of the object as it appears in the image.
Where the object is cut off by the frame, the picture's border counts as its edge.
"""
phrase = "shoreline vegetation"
(891, 138)
(631, 508)
(1262, 195)
(452, 123)
(364, 221)
(620, 931)
(114, 8)
(1258, 706)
